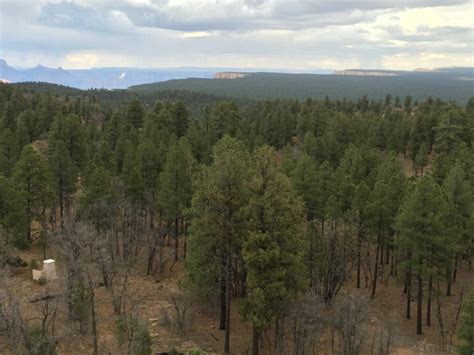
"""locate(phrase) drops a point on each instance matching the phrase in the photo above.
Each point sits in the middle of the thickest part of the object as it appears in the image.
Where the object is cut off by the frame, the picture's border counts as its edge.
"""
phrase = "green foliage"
(33, 181)
(99, 197)
(274, 251)
(174, 187)
(8, 151)
(63, 171)
(70, 131)
(302, 86)
(133, 333)
(12, 213)
(34, 264)
(79, 301)
(39, 344)
(135, 114)
(218, 226)
(459, 195)
(424, 231)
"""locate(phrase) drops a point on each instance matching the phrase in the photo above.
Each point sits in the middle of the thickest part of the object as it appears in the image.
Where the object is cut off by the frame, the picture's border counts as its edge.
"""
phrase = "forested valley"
(190, 224)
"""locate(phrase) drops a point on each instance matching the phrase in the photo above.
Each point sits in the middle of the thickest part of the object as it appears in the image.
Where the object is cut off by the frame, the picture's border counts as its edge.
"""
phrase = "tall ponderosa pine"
(98, 200)
(70, 130)
(218, 227)
(274, 251)
(32, 179)
(424, 235)
(175, 186)
(63, 172)
(459, 194)
(12, 214)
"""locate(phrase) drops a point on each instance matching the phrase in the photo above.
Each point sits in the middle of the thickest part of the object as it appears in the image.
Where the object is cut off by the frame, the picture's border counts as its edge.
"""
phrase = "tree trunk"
(222, 296)
(359, 247)
(227, 310)
(374, 284)
(185, 241)
(428, 305)
(255, 336)
(408, 293)
(419, 312)
(61, 205)
(455, 268)
(94, 321)
(176, 239)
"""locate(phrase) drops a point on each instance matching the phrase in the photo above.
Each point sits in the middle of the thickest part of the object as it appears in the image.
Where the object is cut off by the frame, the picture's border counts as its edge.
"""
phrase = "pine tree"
(32, 179)
(98, 200)
(174, 187)
(459, 194)
(218, 226)
(421, 158)
(307, 184)
(8, 152)
(70, 130)
(424, 234)
(12, 216)
(274, 252)
(135, 114)
(63, 172)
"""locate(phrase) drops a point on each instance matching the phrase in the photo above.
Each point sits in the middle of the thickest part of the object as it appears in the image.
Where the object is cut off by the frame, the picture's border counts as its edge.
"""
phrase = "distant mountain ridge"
(107, 78)
(114, 78)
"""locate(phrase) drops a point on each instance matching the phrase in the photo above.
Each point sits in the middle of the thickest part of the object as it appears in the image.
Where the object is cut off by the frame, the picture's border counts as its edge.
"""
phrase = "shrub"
(39, 344)
(34, 265)
(133, 334)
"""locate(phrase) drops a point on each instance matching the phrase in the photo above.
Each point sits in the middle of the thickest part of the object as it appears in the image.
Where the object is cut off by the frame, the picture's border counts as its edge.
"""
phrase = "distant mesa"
(229, 75)
(423, 70)
(365, 72)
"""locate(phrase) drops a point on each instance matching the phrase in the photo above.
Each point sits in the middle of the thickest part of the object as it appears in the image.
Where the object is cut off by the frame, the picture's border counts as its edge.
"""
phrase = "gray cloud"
(265, 33)
(226, 15)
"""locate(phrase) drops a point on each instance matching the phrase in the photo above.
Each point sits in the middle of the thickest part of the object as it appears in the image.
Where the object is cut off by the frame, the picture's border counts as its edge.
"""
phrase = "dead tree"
(350, 314)
(307, 318)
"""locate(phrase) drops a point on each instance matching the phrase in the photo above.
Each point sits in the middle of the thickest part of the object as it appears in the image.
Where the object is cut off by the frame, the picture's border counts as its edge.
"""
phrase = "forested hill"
(342, 218)
(447, 85)
(109, 99)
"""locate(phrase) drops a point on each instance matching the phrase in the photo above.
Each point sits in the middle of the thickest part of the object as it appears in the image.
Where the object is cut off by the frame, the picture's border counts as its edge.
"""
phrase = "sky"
(270, 34)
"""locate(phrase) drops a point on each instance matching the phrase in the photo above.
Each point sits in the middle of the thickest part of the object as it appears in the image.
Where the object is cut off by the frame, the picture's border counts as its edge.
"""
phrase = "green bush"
(133, 334)
(34, 265)
(39, 344)
(41, 280)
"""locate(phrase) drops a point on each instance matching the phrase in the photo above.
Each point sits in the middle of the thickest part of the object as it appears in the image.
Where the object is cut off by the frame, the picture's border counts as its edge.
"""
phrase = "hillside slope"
(444, 85)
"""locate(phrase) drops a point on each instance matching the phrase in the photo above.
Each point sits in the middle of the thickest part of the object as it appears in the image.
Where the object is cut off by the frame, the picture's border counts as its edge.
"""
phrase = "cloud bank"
(293, 34)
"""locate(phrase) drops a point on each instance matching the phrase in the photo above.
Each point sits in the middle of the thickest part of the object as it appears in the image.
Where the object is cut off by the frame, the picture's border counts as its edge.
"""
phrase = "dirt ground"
(149, 297)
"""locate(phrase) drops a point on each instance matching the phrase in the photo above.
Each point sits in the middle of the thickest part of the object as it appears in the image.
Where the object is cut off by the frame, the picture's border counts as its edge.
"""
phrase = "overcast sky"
(293, 34)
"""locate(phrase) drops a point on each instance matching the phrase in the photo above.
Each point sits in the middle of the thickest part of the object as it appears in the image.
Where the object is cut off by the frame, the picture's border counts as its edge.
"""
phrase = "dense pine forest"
(185, 222)
(446, 84)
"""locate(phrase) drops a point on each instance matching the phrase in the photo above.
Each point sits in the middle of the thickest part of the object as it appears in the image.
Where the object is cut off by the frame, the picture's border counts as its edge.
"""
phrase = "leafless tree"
(308, 320)
(350, 315)
(13, 328)
(181, 306)
(335, 259)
